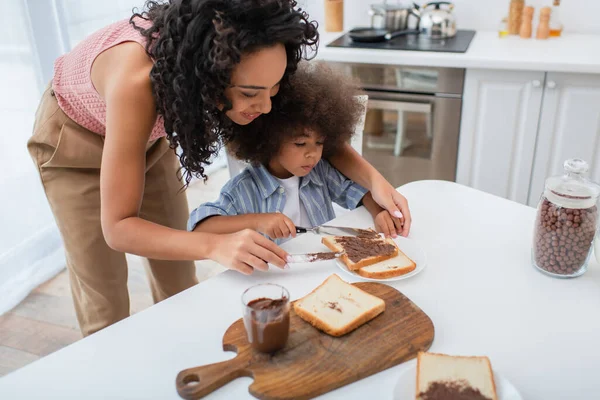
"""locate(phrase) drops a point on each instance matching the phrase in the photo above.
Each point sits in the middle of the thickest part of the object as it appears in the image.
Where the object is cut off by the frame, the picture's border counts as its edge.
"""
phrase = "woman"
(187, 73)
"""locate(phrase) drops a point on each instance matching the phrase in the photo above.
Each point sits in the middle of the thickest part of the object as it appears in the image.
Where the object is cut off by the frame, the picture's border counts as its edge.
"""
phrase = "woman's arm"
(122, 79)
(355, 167)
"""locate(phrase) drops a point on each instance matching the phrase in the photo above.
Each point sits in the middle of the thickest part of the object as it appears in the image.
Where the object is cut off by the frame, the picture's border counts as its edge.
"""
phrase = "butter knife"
(313, 257)
(332, 230)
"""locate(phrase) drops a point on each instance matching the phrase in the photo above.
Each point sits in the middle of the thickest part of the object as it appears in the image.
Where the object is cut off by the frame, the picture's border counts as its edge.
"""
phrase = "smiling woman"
(253, 83)
(182, 73)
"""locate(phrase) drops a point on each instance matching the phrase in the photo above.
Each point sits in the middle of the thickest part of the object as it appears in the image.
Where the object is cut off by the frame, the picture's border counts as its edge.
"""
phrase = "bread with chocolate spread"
(442, 376)
(337, 307)
(361, 251)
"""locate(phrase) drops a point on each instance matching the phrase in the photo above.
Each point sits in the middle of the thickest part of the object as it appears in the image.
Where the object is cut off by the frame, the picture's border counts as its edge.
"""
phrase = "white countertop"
(569, 53)
(478, 288)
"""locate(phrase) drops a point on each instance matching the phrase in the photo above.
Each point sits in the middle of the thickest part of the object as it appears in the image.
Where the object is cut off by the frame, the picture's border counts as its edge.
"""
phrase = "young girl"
(287, 183)
(185, 73)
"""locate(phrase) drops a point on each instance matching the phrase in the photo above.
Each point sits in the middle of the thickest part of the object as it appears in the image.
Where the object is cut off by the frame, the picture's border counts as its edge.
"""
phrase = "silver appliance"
(413, 119)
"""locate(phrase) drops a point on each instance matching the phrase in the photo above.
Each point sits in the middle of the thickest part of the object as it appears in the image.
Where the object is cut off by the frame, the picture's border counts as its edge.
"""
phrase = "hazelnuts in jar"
(566, 222)
(563, 237)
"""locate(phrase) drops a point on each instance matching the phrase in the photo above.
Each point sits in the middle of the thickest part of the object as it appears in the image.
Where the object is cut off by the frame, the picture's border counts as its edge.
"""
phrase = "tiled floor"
(45, 321)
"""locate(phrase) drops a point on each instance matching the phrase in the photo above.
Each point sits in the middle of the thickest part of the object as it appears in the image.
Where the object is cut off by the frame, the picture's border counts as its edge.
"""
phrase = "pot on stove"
(392, 17)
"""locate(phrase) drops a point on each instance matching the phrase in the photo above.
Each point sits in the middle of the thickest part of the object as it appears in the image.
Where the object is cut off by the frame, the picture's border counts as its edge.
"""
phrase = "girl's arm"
(121, 77)
(275, 225)
(355, 167)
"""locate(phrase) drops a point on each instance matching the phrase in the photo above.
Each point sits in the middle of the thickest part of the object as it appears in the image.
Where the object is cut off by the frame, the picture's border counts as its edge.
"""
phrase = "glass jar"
(566, 222)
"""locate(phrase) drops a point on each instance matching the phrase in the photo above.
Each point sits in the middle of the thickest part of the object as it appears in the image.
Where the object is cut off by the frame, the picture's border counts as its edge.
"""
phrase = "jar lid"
(573, 187)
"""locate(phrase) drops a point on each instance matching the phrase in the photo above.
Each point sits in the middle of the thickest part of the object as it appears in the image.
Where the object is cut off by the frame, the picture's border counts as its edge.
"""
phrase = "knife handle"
(299, 229)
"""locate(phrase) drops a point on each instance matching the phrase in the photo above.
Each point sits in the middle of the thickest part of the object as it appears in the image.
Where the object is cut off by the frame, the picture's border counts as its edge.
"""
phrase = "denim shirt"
(255, 190)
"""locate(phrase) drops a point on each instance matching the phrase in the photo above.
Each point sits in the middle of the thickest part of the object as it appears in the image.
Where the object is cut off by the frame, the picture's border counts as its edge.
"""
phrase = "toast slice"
(470, 376)
(360, 251)
(399, 265)
(337, 307)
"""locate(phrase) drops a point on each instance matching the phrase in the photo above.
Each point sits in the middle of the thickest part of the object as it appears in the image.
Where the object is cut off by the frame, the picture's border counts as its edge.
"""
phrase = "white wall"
(578, 16)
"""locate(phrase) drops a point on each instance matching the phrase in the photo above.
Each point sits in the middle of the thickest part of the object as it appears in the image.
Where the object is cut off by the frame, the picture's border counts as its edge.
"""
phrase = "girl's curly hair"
(195, 44)
(318, 99)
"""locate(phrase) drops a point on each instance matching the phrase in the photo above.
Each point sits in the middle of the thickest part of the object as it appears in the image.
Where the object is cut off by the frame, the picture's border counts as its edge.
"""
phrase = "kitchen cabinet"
(519, 126)
(569, 127)
(497, 136)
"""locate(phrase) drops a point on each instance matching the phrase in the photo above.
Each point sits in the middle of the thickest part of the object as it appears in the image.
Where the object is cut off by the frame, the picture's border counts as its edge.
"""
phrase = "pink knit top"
(72, 82)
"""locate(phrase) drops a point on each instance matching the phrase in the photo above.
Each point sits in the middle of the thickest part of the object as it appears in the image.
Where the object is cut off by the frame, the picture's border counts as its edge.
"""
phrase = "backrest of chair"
(357, 138)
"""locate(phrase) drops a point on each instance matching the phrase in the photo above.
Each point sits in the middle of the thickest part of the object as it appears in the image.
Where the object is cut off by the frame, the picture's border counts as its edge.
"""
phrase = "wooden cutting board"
(314, 363)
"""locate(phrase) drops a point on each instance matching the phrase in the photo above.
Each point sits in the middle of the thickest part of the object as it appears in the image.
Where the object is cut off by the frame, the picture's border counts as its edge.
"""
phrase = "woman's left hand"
(387, 197)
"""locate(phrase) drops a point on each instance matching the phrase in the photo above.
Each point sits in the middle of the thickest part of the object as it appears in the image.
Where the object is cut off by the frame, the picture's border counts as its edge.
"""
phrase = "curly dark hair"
(319, 99)
(195, 44)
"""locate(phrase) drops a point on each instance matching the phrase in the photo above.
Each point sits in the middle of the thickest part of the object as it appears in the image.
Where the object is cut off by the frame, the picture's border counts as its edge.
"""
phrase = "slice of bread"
(375, 249)
(457, 373)
(337, 307)
(399, 265)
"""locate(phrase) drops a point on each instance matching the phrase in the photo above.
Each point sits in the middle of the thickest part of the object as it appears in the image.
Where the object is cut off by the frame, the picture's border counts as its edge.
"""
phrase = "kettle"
(438, 23)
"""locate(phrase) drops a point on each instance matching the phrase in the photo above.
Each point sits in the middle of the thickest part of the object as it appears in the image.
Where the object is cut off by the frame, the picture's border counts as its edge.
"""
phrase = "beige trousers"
(68, 159)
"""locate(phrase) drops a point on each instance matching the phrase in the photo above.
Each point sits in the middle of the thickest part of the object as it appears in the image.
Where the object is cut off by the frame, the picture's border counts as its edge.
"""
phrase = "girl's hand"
(387, 197)
(246, 251)
(275, 225)
(387, 224)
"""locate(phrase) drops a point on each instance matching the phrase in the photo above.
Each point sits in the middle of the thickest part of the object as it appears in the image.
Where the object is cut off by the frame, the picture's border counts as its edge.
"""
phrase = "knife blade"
(313, 257)
(333, 230)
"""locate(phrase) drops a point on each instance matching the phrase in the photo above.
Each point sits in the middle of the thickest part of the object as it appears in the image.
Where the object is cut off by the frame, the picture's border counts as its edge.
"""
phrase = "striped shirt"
(255, 190)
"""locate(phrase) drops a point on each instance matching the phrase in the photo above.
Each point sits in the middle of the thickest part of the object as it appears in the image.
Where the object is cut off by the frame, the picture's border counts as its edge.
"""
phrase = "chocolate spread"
(358, 248)
(267, 323)
(459, 390)
(327, 255)
(334, 305)
(367, 233)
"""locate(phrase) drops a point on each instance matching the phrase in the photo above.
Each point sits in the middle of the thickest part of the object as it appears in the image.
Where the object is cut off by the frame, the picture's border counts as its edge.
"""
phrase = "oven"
(412, 123)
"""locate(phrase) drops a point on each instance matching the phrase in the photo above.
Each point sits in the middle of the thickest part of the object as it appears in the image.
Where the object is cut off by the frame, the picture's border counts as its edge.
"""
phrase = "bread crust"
(391, 273)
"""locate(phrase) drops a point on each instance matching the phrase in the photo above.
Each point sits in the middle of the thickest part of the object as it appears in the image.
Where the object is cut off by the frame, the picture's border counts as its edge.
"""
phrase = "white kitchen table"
(479, 289)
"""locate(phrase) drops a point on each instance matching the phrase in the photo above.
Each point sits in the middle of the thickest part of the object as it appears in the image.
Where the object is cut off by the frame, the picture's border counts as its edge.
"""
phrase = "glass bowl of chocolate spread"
(267, 316)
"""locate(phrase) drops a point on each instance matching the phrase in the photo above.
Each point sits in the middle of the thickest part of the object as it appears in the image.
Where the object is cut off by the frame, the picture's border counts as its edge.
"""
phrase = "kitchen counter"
(570, 53)
(478, 288)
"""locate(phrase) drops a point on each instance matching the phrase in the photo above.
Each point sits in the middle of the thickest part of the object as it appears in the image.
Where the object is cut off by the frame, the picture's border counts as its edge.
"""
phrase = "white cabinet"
(497, 136)
(569, 127)
(518, 127)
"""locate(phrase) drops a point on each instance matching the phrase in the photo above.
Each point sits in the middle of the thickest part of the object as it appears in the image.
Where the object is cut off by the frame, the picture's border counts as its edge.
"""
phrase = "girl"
(185, 73)
(287, 183)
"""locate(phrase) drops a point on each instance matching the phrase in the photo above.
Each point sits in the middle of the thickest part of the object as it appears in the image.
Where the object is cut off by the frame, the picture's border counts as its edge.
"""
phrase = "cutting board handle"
(197, 382)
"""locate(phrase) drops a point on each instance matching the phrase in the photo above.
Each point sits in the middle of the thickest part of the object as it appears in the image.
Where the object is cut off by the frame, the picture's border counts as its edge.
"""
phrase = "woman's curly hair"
(318, 99)
(195, 44)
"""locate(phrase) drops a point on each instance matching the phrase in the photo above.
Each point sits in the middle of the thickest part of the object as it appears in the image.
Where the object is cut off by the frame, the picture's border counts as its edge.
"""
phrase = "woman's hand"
(387, 224)
(355, 167)
(246, 251)
(387, 197)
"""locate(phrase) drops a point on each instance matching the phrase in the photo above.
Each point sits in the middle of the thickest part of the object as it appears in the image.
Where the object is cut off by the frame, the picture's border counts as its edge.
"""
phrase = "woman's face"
(253, 82)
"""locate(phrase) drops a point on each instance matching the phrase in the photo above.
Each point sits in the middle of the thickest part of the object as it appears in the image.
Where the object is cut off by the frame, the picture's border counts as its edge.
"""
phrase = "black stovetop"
(457, 44)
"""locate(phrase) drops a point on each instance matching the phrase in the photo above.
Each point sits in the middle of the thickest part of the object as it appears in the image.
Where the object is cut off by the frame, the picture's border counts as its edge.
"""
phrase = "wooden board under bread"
(314, 363)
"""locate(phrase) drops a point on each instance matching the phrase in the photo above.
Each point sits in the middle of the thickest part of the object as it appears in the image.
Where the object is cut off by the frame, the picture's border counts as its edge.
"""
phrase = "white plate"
(407, 385)
(409, 247)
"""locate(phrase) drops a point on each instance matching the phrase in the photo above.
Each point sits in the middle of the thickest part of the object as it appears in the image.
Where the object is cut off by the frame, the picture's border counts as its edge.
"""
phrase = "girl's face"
(253, 82)
(297, 156)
